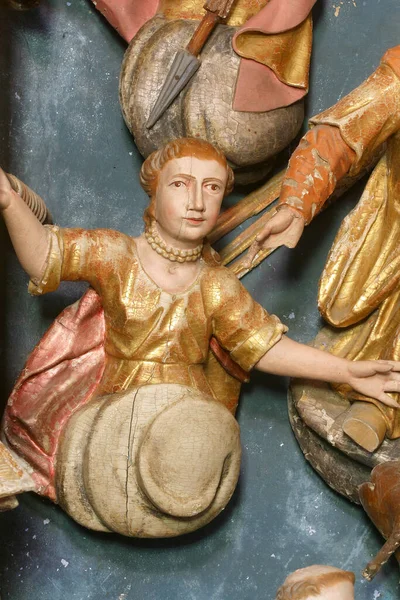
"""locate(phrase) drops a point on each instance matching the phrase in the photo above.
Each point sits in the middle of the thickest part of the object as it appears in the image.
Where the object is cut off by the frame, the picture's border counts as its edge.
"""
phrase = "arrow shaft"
(202, 33)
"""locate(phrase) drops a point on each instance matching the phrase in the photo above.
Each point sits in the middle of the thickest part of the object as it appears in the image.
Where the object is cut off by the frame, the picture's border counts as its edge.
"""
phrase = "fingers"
(392, 385)
(384, 366)
(266, 232)
(284, 229)
(251, 254)
(367, 368)
(385, 399)
(278, 223)
(395, 364)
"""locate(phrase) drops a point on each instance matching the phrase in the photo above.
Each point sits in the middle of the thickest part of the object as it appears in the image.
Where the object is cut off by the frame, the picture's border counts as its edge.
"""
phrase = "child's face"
(188, 199)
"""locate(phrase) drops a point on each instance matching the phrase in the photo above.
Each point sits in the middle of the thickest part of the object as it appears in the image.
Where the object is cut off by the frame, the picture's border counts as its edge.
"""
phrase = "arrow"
(186, 63)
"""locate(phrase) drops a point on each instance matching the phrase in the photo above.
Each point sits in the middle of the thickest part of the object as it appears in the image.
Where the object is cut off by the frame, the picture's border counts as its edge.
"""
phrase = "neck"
(171, 252)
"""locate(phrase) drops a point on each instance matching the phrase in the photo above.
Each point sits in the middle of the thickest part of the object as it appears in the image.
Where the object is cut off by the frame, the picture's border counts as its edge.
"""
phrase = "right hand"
(5, 191)
(375, 379)
(284, 229)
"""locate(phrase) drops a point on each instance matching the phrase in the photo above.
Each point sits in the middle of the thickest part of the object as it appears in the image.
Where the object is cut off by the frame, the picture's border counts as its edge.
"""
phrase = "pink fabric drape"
(258, 89)
(61, 375)
(127, 16)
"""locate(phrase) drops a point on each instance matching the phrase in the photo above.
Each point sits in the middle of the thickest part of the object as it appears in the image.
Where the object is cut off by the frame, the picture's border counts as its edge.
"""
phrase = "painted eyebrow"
(207, 180)
(187, 176)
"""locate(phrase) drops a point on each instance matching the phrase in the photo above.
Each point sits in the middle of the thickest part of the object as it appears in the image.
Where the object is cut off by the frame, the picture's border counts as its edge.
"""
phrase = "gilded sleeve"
(76, 255)
(241, 325)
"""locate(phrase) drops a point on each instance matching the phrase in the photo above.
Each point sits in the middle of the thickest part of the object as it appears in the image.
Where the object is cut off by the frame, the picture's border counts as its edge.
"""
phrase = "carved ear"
(381, 501)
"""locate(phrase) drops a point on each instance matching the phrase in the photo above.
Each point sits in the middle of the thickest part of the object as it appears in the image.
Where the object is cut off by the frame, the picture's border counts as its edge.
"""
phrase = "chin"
(193, 236)
(194, 240)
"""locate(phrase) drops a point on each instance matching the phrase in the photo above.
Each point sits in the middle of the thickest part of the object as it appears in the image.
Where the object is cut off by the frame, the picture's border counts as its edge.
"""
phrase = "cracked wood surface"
(157, 461)
(204, 107)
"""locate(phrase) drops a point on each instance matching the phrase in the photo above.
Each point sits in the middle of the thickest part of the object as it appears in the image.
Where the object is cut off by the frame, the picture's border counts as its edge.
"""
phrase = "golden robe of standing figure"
(359, 294)
(360, 285)
(359, 288)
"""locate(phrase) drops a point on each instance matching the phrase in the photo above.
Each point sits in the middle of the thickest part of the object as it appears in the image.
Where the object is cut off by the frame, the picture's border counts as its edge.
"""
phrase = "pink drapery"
(258, 88)
(60, 375)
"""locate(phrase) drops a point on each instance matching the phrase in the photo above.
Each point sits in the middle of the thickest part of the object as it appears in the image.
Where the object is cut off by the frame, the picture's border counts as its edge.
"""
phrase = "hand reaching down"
(375, 378)
(284, 229)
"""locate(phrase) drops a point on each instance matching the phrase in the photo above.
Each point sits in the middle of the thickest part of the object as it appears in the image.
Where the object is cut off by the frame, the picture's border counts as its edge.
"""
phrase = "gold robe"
(360, 285)
(153, 336)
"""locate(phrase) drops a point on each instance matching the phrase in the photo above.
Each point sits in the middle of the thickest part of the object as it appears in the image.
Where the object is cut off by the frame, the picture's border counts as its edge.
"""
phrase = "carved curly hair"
(178, 149)
(311, 585)
(302, 590)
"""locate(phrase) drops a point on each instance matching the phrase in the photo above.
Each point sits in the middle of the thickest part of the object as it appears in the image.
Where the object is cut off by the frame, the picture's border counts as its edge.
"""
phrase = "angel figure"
(124, 413)
(244, 82)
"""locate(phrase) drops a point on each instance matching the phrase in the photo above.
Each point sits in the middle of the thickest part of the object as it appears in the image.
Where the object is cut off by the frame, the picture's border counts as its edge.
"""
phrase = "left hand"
(373, 378)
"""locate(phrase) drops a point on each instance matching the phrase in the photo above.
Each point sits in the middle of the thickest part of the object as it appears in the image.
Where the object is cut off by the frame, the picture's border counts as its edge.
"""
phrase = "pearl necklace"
(169, 252)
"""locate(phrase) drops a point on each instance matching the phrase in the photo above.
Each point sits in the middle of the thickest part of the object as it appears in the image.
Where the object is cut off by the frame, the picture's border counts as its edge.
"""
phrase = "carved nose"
(196, 200)
(184, 455)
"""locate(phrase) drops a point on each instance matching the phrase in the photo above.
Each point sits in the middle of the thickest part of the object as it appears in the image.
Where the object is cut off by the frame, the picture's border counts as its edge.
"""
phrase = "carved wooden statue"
(216, 105)
(124, 413)
(359, 289)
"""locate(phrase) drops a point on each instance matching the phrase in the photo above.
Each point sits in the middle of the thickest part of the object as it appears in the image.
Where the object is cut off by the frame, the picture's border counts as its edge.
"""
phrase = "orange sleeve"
(370, 114)
(347, 138)
(318, 163)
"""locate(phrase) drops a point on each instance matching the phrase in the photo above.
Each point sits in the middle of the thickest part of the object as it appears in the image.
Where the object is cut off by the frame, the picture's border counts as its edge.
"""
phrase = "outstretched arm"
(346, 139)
(321, 159)
(28, 236)
(373, 378)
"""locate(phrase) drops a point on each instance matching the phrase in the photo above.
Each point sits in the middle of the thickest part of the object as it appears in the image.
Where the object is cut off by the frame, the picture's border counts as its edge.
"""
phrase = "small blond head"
(178, 148)
(318, 582)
